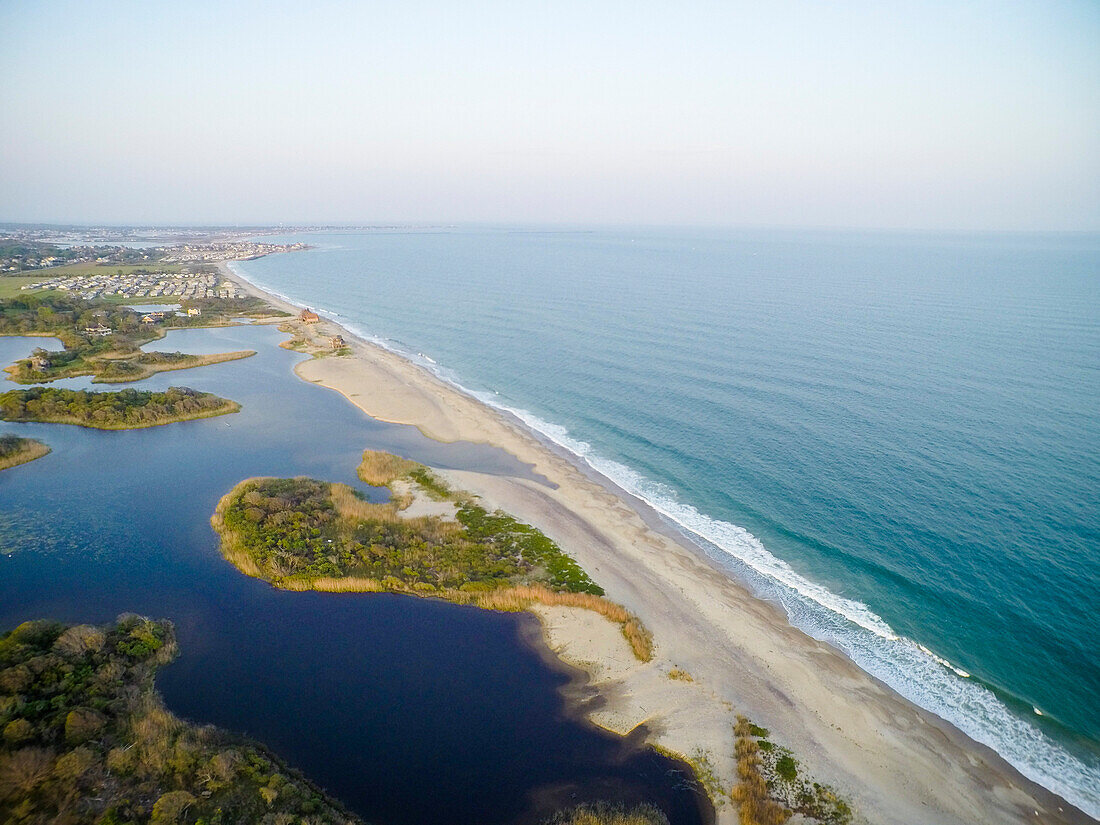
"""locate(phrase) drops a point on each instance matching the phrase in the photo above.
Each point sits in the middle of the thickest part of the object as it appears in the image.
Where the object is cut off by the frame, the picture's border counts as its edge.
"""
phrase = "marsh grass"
(771, 786)
(15, 450)
(122, 370)
(379, 469)
(603, 813)
(755, 806)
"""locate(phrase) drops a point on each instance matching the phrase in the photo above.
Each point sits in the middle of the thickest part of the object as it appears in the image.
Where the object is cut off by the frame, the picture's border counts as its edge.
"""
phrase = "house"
(98, 331)
(40, 363)
(193, 311)
(149, 319)
(336, 342)
(308, 316)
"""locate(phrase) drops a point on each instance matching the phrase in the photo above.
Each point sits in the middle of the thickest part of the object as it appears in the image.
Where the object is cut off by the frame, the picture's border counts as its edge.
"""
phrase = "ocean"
(892, 435)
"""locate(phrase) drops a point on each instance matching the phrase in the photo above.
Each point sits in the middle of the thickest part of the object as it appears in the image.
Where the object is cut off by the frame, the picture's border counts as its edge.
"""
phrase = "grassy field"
(71, 270)
(12, 285)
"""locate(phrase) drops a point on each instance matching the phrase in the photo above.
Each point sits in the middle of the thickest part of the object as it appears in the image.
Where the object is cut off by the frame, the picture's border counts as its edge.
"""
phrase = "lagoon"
(407, 710)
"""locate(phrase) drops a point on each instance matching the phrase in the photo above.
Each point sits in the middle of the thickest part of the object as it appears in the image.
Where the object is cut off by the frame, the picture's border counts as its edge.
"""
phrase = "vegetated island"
(304, 534)
(87, 739)
(15, 450)
(103, 339)
(146, 364)
(122, 410)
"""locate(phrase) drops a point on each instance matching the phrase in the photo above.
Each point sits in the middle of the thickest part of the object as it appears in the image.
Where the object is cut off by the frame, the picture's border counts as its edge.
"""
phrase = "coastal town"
(141, 283)
(231, 251)
(23, 251)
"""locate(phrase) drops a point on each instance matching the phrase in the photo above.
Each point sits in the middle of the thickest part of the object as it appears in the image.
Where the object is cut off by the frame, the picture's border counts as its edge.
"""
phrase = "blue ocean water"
(893, 435)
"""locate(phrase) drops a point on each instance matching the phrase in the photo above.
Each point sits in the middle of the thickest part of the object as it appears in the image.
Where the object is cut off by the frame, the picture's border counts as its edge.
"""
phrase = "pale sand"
(420, 503)
(894, 762)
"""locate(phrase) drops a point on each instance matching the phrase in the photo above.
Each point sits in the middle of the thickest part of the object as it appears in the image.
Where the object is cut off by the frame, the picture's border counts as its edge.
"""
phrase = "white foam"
(914, 671)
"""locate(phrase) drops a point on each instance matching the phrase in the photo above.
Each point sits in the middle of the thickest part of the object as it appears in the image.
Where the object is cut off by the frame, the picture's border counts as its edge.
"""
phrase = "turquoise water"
(895, 436)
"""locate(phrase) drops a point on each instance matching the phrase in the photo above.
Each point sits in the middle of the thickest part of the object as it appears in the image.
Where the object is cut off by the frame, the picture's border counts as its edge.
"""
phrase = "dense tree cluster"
(125, 409)
(84, 738)
(67, 317)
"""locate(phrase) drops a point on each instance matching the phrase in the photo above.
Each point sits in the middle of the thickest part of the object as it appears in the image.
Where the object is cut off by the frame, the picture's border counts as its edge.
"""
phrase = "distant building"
(40, 363)
(148, 319)
(98, 331)
(336, 342)
(192, 311)
(308, 316)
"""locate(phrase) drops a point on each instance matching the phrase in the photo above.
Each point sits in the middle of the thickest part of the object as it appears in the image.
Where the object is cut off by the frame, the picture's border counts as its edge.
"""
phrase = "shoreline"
(894, 761)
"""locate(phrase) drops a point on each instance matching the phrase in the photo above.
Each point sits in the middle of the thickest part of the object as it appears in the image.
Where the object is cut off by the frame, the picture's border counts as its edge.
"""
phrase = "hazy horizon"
(975, 117)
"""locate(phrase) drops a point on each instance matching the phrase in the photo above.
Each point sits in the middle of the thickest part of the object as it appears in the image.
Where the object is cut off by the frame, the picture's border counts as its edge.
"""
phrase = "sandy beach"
(893, 761)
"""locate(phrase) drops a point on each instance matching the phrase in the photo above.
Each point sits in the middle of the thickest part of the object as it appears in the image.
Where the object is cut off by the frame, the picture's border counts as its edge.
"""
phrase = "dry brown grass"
(507, 599)
(378, 469)
(330, 584)
(603, 814)
(351, 506)
(755, 807)
(31, 450)
(522, 597)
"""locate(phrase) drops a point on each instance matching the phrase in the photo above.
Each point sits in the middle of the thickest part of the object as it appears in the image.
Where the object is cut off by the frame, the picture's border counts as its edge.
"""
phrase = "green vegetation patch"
(69, 317)
(15, 450)
(123, 410)
(772, 785)
(306, 529)
(497, 530)
(86, 740)
(11, 286)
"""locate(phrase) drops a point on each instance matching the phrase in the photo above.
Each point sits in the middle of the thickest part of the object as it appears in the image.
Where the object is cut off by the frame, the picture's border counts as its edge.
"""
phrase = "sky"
(913, 115)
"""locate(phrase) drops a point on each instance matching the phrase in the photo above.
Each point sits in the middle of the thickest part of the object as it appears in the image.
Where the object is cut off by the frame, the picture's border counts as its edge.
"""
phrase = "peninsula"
(15, 450)
(431, 541)
(304, 534)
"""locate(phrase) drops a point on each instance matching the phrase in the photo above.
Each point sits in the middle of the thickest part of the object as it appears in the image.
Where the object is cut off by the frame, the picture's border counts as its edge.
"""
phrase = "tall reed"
(755, 807)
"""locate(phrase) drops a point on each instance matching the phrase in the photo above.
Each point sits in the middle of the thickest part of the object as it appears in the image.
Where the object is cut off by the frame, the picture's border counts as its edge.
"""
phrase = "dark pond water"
(406, 709)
